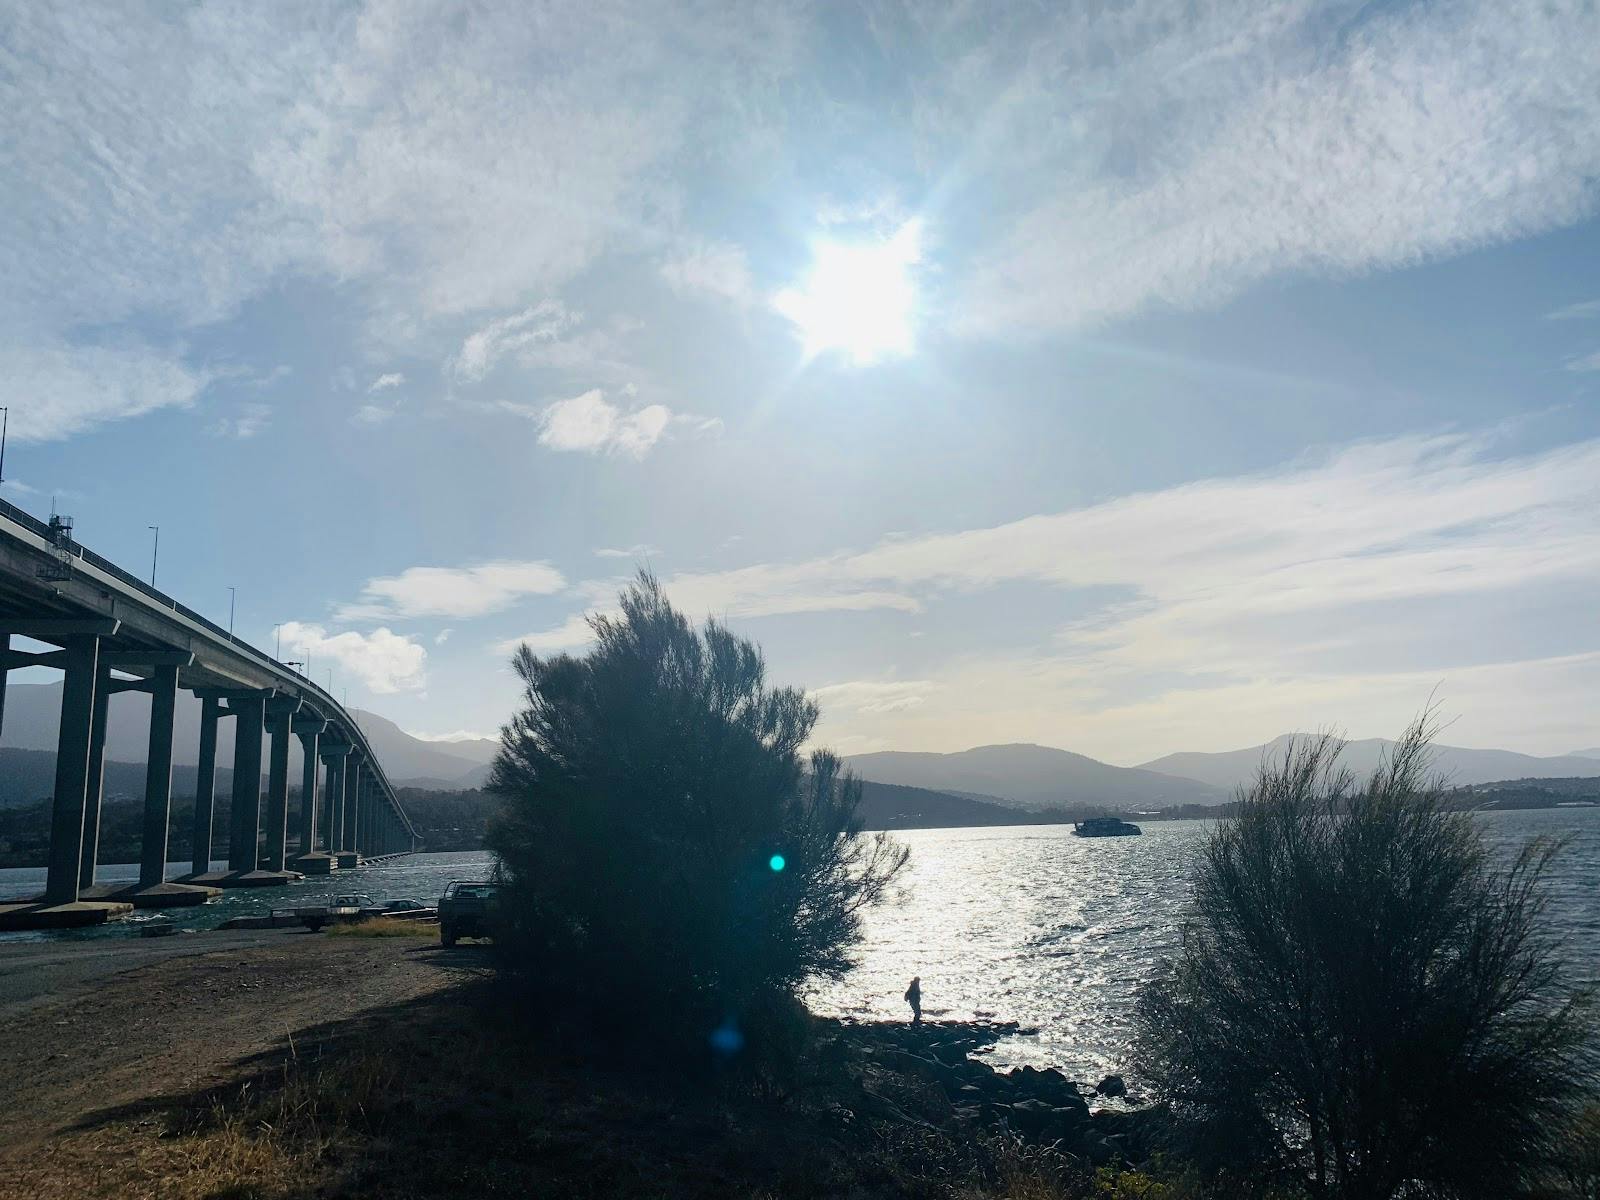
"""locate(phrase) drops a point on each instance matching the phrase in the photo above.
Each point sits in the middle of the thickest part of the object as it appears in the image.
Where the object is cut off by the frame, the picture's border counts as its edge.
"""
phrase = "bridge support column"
(330, 808)
(158, 777)
(242, 840)
(5, 648)
(348, 856)
(205, 787)
(337, 757)
(310, 860)
(279, 714)
(82, 667)
(94, 791)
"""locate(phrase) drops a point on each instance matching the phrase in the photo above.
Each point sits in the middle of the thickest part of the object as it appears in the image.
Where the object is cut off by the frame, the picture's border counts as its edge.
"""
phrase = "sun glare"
(859, 298)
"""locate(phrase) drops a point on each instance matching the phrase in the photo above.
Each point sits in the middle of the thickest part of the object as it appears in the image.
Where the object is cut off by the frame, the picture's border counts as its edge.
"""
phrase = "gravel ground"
(84, 1030)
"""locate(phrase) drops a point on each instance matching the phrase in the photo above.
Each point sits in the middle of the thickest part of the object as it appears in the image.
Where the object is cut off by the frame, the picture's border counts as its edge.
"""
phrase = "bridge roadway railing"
(361, 805)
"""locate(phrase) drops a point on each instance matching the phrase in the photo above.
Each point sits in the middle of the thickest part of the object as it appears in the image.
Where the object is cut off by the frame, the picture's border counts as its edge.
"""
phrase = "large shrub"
(671, 858)
(1363, 1000)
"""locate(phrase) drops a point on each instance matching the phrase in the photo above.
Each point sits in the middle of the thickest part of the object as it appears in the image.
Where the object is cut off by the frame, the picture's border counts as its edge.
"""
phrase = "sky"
(1128, 378)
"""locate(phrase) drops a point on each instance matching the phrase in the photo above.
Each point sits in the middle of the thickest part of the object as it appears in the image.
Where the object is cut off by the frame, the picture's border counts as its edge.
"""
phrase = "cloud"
(384, 661)
(72, 389)
(373, 414)
(1586, 363)
(870, 696)
(453, 591)
(591, 424)
(1177, 161)
(1586, 310)
(1402, 563)
(442, 636)
(641, 551)
(717, 269)
(382, 383)
(517, 334)
(247, 421)
(572, 634)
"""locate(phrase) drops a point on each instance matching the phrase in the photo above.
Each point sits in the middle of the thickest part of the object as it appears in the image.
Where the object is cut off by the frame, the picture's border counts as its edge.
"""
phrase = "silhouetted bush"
(1363, 1001)
(670, 859)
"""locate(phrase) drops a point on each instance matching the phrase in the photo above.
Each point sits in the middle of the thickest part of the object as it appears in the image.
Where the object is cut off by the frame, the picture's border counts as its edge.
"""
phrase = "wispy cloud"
(245, 421)
(1382, 560)
(638, 552)
(1586, 310)
(384, 661)
(519, 333)
(453, 591)
(1585, 363)
(572, 634)
(1178, 160)
(73, 389)
(718, 269)
(386, 381)
(875, 696)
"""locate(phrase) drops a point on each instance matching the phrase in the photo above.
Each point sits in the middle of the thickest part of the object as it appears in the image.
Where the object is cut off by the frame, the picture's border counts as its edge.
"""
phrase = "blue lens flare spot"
(776, 862)
(726, 1039)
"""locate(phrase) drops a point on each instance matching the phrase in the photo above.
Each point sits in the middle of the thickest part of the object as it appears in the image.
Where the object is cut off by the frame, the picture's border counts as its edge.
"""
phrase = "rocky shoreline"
(926, 1075)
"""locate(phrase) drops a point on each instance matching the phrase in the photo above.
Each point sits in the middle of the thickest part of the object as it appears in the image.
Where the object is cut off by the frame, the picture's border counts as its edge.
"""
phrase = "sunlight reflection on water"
(1057, 933)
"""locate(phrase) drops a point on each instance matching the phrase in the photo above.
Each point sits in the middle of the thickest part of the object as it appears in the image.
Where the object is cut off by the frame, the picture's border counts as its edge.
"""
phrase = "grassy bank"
(456, 1095)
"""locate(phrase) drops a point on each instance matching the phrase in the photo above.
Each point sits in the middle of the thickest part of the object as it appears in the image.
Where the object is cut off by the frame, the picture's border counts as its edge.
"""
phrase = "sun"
(859, 298)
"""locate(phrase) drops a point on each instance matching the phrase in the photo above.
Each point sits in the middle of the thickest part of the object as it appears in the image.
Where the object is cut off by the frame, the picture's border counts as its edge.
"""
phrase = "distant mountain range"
(1036, 777)
(1230, 769)
(33, 721)
(980, 786)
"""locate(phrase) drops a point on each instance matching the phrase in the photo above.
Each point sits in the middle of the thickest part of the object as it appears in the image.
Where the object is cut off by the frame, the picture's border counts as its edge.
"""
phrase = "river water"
(1026, 924)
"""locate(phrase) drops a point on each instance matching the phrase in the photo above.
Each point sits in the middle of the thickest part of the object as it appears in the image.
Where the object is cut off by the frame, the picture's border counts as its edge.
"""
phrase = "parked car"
(467, 909)
(349, 907)
(403, 906)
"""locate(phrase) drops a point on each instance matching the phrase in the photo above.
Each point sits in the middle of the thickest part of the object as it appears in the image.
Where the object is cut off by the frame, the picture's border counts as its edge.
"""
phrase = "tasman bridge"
(115, 634)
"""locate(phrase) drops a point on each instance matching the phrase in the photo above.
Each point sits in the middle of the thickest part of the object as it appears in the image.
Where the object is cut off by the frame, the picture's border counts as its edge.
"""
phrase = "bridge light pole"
(231, 598)
(278, 629)
(156, 550)
(5, 420)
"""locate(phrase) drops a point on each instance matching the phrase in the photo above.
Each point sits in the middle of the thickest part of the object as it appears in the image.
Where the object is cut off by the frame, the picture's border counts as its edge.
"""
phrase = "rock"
(1032, 1117)
(1095, 1148)
(1111, 1085)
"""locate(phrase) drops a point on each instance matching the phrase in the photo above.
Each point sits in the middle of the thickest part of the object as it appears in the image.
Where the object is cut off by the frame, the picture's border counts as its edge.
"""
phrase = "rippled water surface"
(1056, 932)
(1026, 924)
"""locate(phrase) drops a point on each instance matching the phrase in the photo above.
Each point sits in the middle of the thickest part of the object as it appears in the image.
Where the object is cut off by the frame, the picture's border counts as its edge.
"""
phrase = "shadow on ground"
(460, 1094)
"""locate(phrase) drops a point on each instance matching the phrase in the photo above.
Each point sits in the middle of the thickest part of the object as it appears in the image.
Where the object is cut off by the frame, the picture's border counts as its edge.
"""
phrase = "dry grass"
(461, 1095)
(385, 927)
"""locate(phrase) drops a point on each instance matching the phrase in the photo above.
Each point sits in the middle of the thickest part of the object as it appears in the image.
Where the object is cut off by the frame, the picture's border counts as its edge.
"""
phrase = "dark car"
(403, 906)
(467, 909)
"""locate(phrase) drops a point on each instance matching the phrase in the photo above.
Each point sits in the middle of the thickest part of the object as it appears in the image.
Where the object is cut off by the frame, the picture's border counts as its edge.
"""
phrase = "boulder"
(1111, 1085)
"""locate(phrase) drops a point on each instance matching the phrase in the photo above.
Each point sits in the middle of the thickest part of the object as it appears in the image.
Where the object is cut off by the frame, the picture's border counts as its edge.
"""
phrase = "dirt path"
(175, 1022)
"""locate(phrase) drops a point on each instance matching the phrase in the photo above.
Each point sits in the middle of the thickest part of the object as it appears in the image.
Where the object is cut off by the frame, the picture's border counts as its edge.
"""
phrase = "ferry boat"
(1105, 827)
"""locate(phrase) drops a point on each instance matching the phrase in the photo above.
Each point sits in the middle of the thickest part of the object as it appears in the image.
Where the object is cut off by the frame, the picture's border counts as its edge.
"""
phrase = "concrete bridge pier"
(79, 660)
(347, 855)
(205, 788)
(337, 756)
(279, 713)
(94, 791)
(310, 860)
(153, 890)
(244, 836)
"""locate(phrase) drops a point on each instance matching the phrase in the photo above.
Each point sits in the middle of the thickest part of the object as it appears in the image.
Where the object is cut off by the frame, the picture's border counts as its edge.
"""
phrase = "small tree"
(1362, 1000)
(669, 858)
